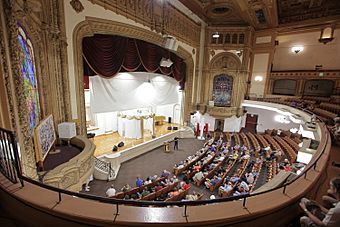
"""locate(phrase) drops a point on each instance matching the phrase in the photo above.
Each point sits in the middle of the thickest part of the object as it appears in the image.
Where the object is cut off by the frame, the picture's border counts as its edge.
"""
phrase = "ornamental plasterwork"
(77, 6)
(3, 62)
(161, 18)
(100, 26)
(27, 149)
(221, 111)
(45, 39)
(225, 61)
(70, 178)
(306, 74)
(228, 64)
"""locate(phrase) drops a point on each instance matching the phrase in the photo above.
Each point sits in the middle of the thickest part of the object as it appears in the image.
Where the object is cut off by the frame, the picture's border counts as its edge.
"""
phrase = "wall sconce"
(297, 49)
(239, 53)
(326, 35)
(216, 35)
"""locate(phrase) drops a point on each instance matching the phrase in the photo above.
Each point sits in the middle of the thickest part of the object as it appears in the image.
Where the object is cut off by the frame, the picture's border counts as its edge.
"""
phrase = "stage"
(104, 143)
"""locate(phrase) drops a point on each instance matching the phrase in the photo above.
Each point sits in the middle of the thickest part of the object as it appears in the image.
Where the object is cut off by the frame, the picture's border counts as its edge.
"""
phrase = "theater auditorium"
(169, 112)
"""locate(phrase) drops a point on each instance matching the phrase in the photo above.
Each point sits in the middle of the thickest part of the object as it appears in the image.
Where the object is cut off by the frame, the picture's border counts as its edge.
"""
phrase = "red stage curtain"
(106, 55)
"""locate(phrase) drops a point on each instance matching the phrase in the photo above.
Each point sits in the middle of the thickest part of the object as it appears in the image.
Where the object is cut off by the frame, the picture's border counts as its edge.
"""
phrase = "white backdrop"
(124, 92)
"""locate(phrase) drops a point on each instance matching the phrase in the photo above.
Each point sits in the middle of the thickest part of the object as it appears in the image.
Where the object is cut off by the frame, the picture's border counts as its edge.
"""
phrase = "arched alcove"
(227, 64)
(92, 26)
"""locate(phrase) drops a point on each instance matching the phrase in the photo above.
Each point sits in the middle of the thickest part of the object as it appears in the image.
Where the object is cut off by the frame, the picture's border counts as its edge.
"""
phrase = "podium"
(167, 146)
(67, 130)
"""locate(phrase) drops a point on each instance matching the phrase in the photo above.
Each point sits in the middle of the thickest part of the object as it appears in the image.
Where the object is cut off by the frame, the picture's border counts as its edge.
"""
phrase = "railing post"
(117, 209)
(59, 195)
(185, 211)
(244, 202)
(305, 175)
(314, 166)
(284, 189)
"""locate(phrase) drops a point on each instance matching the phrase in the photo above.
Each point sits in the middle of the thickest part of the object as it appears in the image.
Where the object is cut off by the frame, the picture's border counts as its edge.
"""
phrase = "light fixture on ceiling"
(216, 35)
(326, 35)
(258, 78)
(297, 49)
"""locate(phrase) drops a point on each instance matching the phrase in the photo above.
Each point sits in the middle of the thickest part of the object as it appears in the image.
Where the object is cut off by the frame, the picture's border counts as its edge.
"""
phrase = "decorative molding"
(23, 130)
(304, 74)
(224, 112)
(159, 16)
(77, 6)
(73, 174)
(93, 25)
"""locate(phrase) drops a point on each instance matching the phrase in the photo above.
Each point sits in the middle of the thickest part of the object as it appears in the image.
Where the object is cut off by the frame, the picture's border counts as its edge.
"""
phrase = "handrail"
(177, 203)
(105, 166)
(117, 202)
(9, 156)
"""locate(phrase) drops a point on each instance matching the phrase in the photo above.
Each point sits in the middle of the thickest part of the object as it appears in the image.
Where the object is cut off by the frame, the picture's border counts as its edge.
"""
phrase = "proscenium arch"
(217, 66)
(92, 26)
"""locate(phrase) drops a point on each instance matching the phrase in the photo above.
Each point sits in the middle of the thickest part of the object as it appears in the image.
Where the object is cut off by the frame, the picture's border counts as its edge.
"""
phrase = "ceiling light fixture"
(216, 35)
(297, 49)
(258, 78)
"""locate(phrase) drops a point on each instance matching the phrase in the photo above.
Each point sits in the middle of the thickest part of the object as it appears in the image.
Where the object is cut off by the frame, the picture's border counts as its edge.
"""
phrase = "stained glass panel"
(30, 80)
(222, 88)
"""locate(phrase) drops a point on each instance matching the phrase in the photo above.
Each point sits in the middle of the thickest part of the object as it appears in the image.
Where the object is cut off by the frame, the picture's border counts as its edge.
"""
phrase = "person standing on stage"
(176, 143)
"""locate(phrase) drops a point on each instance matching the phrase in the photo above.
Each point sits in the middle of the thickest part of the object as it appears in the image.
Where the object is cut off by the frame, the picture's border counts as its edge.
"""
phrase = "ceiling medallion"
(220, 10)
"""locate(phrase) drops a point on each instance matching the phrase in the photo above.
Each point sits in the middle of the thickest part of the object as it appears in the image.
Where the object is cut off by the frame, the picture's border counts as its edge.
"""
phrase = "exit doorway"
(219, 124)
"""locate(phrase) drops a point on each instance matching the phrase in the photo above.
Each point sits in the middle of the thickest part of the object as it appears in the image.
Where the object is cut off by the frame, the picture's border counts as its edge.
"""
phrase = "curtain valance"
(106, 55)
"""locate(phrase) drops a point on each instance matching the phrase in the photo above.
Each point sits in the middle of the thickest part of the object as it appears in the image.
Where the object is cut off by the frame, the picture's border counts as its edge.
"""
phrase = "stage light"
(146, 92)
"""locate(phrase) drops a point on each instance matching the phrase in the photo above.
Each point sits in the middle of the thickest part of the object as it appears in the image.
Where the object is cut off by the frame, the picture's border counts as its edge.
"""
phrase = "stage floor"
(104, 143)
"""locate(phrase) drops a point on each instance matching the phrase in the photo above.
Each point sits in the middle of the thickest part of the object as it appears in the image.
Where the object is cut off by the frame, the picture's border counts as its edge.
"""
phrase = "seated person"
(165, 173)
(111, 191)
(192, 197)
(126, 188)
(198, 176)
(323, 216)
(139, 182)
(147, 181)
(250, 178)
(185, 186)
(227, 187)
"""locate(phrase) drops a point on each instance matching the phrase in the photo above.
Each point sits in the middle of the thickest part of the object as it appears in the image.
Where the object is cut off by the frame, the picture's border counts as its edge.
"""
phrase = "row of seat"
(122, 195)
(239, 173)
(289, 151)
(334, 108)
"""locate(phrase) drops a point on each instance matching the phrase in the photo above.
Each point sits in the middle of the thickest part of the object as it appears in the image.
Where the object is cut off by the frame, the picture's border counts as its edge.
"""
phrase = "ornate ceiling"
(291, 11)
(263, 14)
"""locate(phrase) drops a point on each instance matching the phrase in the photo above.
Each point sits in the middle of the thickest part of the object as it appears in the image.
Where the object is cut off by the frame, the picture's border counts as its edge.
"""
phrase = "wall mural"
(222, 88)
(30, 80)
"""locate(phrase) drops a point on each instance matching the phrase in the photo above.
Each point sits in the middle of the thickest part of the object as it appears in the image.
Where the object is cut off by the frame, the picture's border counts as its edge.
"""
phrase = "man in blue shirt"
(139, 182)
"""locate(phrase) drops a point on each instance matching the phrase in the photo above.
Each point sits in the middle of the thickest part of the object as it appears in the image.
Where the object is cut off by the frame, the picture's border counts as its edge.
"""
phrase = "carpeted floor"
(60, 155)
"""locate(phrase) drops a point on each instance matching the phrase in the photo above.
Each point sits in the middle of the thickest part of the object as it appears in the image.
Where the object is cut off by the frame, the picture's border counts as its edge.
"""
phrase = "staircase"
(103, 170)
